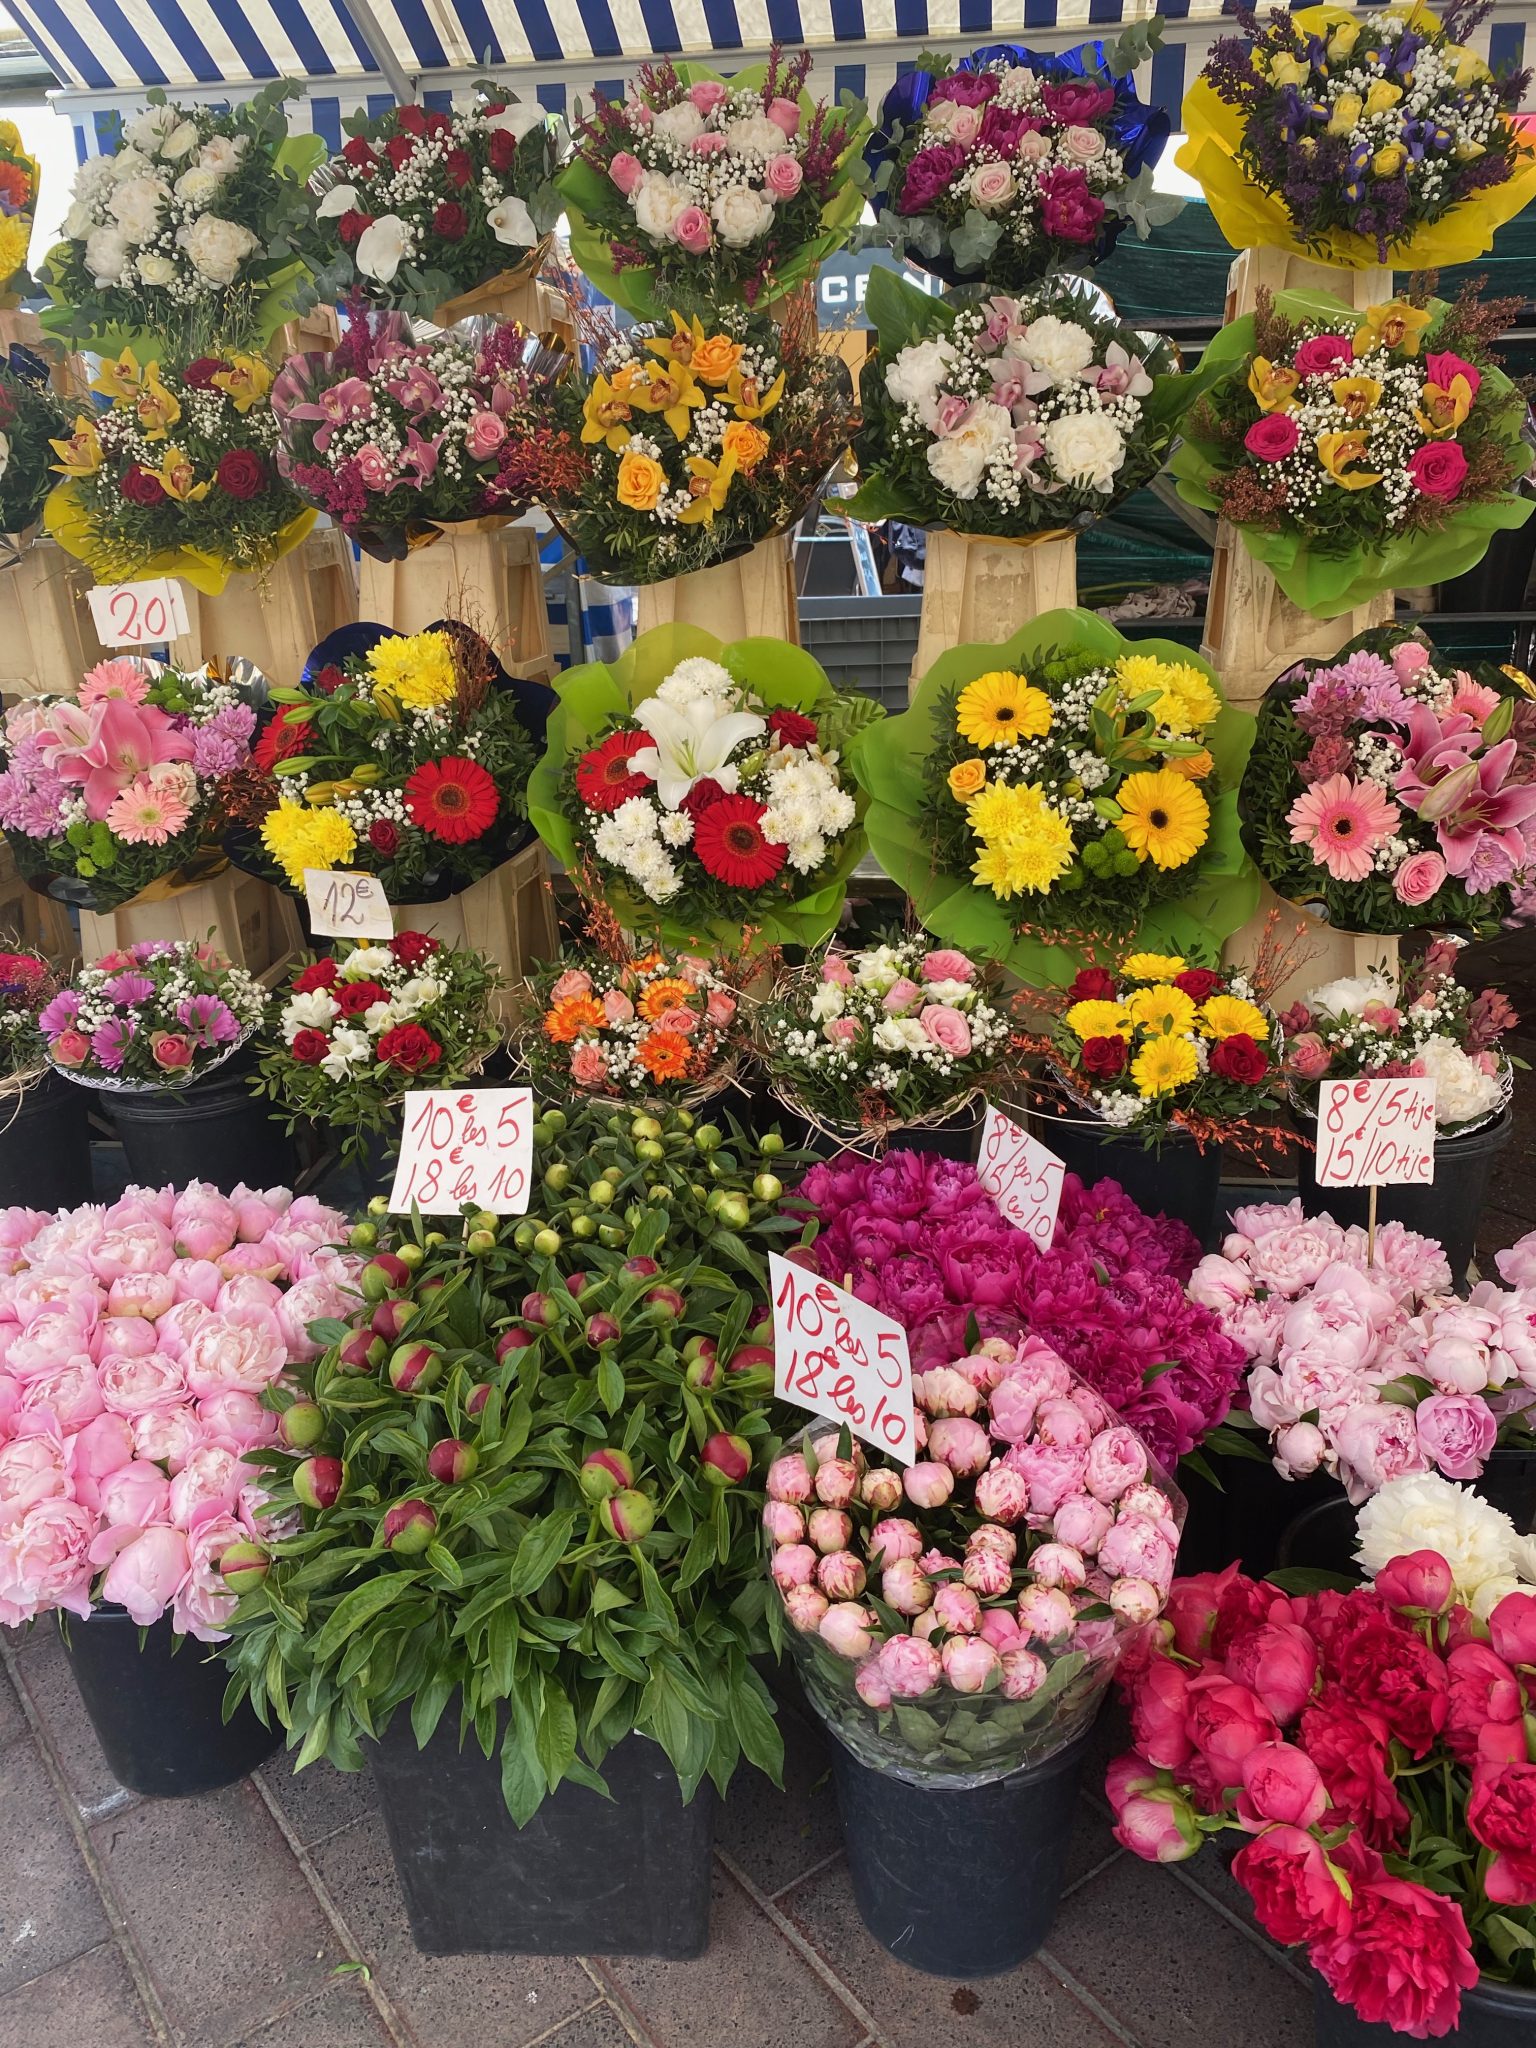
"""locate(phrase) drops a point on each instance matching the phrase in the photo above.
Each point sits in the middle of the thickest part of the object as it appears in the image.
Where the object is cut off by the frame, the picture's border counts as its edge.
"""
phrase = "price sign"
(139, 614)
(1376, 1134)
(465, 1145)
(1021, 1175)
(343, 906)
(840, 1358)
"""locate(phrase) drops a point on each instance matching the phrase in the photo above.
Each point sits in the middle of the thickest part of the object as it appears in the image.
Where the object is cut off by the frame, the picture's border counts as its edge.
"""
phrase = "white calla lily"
(380, 247)
(517, 118)
(340, 199)
(692, 741)
(512, 222)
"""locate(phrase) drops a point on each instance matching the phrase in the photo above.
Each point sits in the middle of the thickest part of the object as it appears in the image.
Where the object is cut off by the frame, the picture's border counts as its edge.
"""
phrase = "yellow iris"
(999, 707)
(1337, 451)
(708, 489)
(1162, 1065)
(415, 669)
(1153, 966)
(1098, 1020)
(298, 838)
(1357, 395)
(1164, 818)
(1231, 1017)
(1394, 325)
(1273, 388)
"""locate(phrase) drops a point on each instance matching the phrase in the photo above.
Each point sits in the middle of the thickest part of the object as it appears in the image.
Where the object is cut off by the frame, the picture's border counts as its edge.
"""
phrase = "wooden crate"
(489, 576)
(1253, 631)
(254, 924)
(984, 590)
(1277, 270)
(47, 638)
(749, 598)
(520, 295)
(1323, 952)
(509, 915)
(31, 921)
(316, 332)
(331, 566)
(271, 618)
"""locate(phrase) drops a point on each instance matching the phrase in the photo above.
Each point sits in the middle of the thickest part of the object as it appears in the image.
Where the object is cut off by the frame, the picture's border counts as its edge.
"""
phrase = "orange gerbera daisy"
(671, 992)
(572, 1015)
(665, 1055)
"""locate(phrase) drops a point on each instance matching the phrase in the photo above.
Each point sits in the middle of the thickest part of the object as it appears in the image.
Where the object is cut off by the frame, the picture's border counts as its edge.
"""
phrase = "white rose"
(136, 208)
(1462, 1090)
(127, 165)
(221, 153)
(1058, 349)
(511, 222)
(1084, 448)
(1082, 145)
(106, 253)
(992, 186)
(217, 248)
(939, 115)
(755, 135)
(679, 124)
(959, 461)
(155, 270)
(517, 119)
(145, 130)
(197, 186)
(658, 202)
(181, 139)
(918, 371)
(828, 1001)
(79, 220)
(381, 246)
(742, 215)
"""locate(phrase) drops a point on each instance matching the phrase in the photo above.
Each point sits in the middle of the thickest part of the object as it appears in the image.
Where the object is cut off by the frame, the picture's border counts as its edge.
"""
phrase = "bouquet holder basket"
(255, 925)
(519, 295)
(36, 923)
(750, 597)
(46, 632)
(479, 570)
(270, 616)
(976, 588)
(509, 915)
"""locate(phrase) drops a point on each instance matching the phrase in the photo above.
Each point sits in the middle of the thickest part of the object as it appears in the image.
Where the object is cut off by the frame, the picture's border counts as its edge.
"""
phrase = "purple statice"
(208, 1020)
(111, 1040)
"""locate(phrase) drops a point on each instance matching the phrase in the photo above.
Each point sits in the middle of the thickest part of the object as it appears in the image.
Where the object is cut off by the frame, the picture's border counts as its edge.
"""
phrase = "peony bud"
(703, 1374)
(667, 1299)
(992, 1536)
(318, 1481)
(477, 1397)
(392, 1318)
(1418, 1583)
(577, 1284)
(837, 1481)
(452, 1461)
(872, 1685)
(958, 1610)
(409, 1527)
(1023, 1673)
(1299, 1449)
(602, 1329)
(1135, 1600)
(362, 1352)
(805, 1605)
(970, 1664)
(880, 1489)
(987, 1574)
(784, 1524)
(604, 1473)
(751, 1358)
(512, 1340)
(1046, 1613)
(725, 1460)
(641, 1268)
(789, 1480)
(383, 1274)
(829, 1529)
(415, 1368)
(700, 1347)
(892, 1539)
(1083, 1522)
(629, 1516)
(1002, 1495)
(960, 1444)
(793, 1565)
(301, 1426)
(928, 1485)
(244, 1566)
(1000, 1629)
(841, 1576)
(905, 1586)
(845, 1628)
(540, 1310)
(1058, 1564)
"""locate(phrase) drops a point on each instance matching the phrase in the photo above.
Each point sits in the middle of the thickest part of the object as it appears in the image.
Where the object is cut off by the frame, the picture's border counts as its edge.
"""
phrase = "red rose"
(793, 728)
(460, 167)
(359, 154)
(351, 227)
(309, 1048)
(400, 149)
(413, 120)
(1197, 983)
(328, 680)
(1159, 1704)
(1226, 1721)
(1502, 1815)
(411, 948)
(705, 791)
(435, 121)
(1352, 1750)
(1272, 438)
(1395, 1673)
(319, 974)
(450, 221)
(241, 472)
(1439, 469)
(1403, 1956)
(357, 996)
(384, 836)
(139, 487)
(201, 371)
(1104, 1056)
(410, 1047)
(1240, 1058)
(1295, 1895)
(503, 149)
(1278, 1662)
(1093, 985)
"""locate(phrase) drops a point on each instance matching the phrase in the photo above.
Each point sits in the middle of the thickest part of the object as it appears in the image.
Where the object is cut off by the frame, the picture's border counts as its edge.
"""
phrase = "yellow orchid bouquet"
(19, 178)
(177, 475)
(1358, 452)
(701, 440)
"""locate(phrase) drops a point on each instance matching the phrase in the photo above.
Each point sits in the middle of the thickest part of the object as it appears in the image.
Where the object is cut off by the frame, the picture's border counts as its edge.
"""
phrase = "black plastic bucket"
(158, 1712)
(958, 1883)
(45, 1146)
(587, 1875)
(1492, 2016)
(1449, 1209)
(1177, 1178)
(1245, 1521)
(1323, 1534)
(213, 1130)
(957, 1137)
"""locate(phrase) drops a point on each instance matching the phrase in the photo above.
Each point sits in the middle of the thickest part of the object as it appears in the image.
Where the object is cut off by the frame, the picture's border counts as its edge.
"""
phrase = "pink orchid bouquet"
(143, 1354)
(395, 438)
(122, 784)
(918, 1237)
(157, 1015)
(1372, 1370)
(1373, 1748)
(1395, 789)
(1010, 1564)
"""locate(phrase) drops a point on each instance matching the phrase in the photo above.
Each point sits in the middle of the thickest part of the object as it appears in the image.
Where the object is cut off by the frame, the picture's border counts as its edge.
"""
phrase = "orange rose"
(748, 444)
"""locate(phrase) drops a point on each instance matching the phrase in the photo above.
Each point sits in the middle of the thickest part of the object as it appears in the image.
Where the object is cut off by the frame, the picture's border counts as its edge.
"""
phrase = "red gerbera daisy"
(604, 778)
(730, 841)
(280, 739)
(453, 799)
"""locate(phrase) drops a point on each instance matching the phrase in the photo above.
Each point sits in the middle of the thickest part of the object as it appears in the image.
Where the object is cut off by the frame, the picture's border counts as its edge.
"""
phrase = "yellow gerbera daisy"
(1162, 1065)
(299, 837)
(416, 669)
(999, 707)
(1229, 1016)
(1153, 966)
(1161, 1008)
(1098, 1020)
(1164, 818)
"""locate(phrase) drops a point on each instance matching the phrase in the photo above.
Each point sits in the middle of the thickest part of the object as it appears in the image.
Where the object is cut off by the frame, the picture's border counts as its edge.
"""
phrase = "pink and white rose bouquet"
(156, 1015)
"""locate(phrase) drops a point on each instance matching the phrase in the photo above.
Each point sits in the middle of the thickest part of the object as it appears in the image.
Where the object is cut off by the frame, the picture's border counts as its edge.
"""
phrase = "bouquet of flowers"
(1372, 1370)
(143, 1344)
(895, 1035)
(396, 438)
(704, 789)
(1418, 1020)
(700, 191)
(637, 1028)
(422, 206)
(1394, 789)
(358, 1027)
(918, 1237)
(125, 783)
(407, 758)
(32, 417)
(177, 475)
(1009, 416)
(1066, 784)
(1020, 1575)
(157, 1015)
(700, 441)
(27, 983)
(1009, 163)
(19, 180)
(1358, 139)
(1358, 453)
(1371, 1746)
(191, 226)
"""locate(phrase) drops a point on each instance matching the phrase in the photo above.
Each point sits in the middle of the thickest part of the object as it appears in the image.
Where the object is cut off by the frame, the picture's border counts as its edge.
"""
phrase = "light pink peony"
(942, 1391)
(1456, 1433)
(1299, 1449)
(794, 1564)
(208, 1484)
(167, 1436)
(960, 1444)
(1023, 1673)
(1002, 1494)
(845, 1628)
(784, 1524)
(872, 1685)
(957, 1609)
(1139, 1548)
(893, 1539)
(203, 1603)
(1377, 1441)
(1135, 1601)
(840, 1575)
(837, 1482)
(789, 1480)
(906, 1587)
(1058, 1564)
(242, 1351)
(928, 1485)
(1053, 1472)
(134, 1496)
(32, 1469)
(970, 1664)
(991, 1537)
(987, 1574)
(805, 1606)
(829, 1529)
(44, 1561)
(1046, 1613)
(146, 1574)
(910, 1666)
(1001, 1629)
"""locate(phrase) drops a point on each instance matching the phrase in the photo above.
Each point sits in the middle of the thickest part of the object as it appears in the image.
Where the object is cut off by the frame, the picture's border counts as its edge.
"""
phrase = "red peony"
(1093, 985)
(201, 371)
(450, 221)
(400, 149)
(1159, 1704)
(1226, 1721)
(453, 799)
(384, 837)
(411, 948)
(1279, 1663)
(359, 154)
(241, 472)
(604, 778)
(318, 974)
(732, 846)
(1394, 1672)
(1209, 1610)
(280, 739)
(1104, 1056)
(1352, 1749)
(409, 1047)
(1240, 1058)
(793, 728)
(1403, 1957)
(352, 226)
(1198, 983)
(141, 486)
(1502, 1815)
(309, 1048)
(1295, 1894)
(354, 997)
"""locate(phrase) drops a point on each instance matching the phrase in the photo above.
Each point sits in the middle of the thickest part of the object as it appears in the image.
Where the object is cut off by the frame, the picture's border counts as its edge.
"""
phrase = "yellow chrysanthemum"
(1162, 1065)
(1161, 1008)
(1153, 966)
(298, 837)
(1230, 1016)
(1098, 1020)
(1164, 818)
(1187, 702)
(999, 707)
(415, 668)
(1025, 845)
(15, 235)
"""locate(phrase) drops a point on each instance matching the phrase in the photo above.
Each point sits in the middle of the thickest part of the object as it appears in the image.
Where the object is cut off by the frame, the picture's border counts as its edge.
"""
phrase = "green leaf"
(1306, 1578)
(427, 1707)
(753, 1720)
(540, 1550)
(556, 1741)
(610, 1382)
(522, 1778)
(355, 1609)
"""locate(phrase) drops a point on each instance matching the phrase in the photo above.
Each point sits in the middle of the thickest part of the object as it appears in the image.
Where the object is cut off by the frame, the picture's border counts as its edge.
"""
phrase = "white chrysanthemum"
(1462, 1090)
(1426, 1512)
(694, 678)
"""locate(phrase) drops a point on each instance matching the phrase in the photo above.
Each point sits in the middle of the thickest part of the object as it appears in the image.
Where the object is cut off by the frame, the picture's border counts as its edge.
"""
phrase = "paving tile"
(49, 1910)
(1092, 1844)
(775, 1837)
(218, 1910)
(912, 2009)
(344, 2017)
(49, 1684)
(748, 1990)
(1170, 1970)
(320, 1800)
(89, 2003)
(599, 2028)
(447, 2001)
(13, 1722)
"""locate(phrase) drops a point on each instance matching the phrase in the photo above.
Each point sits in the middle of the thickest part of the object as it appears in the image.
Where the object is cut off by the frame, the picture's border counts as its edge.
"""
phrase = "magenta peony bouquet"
(1372, 1372)
(1013, 1560)
(920, 1238)
(137, 1344)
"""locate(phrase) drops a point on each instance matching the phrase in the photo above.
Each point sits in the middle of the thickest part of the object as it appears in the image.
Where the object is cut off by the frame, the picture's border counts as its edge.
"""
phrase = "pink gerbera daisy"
(1343, 822)
(145, 815)
(122, 677)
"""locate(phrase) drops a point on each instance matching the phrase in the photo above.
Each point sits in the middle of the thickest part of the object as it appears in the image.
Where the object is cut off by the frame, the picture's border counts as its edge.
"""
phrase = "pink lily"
(1473, 803)
(130, 739)
(1433, 749)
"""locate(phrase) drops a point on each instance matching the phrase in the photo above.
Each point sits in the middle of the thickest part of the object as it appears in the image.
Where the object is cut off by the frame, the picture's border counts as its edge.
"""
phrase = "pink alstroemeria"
(129, 739)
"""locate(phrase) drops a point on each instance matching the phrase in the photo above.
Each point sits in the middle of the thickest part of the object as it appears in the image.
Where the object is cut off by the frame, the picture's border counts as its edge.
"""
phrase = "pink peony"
(1002, 1494)
(910, 1666)
(134, 1496)
(146, 1574)
(906, 1587)
(845, 1628)
(1456, 1432)
(1083, 1522)
(1023, 1673)
(794, 1564)
(1116, 1460)
(1058, 1565)
(1377, 1441)
(960, 1444)
(1046, 1614)
(970, 1664)
(928, 1485)
(44, 1561)
(805, 1606)
(957, 1609)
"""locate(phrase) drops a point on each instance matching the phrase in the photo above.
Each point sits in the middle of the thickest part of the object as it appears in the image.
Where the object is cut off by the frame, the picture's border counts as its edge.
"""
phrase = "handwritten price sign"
(1376, 1134)
(138, 614)
(345, 906)
(465, 1145)
(1021, 1175)
(842, 1359)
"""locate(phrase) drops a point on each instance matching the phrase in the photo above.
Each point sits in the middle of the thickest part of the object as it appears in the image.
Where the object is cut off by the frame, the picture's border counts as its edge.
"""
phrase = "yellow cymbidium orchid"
(710, 487)
(1274, 388)
(121, 381)
(607, 413)
(749, 398)
(1441, 410)
(1394, 325)
(1357, 395)
(178, 479)
(245, 383)
(81, 454)
(1337, 451)
(672, 392)
(158, 409)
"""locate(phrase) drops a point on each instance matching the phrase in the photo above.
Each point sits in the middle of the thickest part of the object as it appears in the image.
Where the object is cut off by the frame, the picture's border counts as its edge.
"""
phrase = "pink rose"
(170, 1050)
(900, 996)
(946, 964)
(70, 1049)
(835, 968)
(575, 981)
(589, 1064)
(243, 1350)
(1116, 1460)
(946, 1028)
(683, 1022)
(617, 1007)
(1420, 875)
(1325, 355)
(373, 471)
(783, 176)
(45, 1561)
(1273, 437)
(485, 436)
(1456, 1433)
(134, 1496)
(963, 125)
(841, 1030)
(707, 95)
(1442, 367)
(692, 230)
(1439, 469)
(784, 114)
(145, 1574)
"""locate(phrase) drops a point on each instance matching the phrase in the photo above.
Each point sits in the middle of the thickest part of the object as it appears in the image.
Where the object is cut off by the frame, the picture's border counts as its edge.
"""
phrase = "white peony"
(1084, 448)
(340, 199)
(381, 246)
(1462, 1090)
(221, 153)
(742, 215)
(657, 201)
(136, 208)
(918, 371)
(511, 222)
(196, 187)
(517, 118)
(1348, 996)
(216, 247)
(959, 461)
(1426, 1512)
(1058, 349)
(681, 124)
(106, 255)
(155, 270)
(755, 135)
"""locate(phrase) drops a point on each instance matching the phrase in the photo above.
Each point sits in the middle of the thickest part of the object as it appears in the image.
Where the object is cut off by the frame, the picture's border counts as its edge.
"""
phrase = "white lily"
(340, 199)
(692, 741)
(512, 222)
(380, 247)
